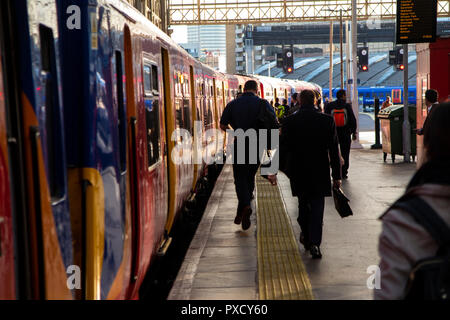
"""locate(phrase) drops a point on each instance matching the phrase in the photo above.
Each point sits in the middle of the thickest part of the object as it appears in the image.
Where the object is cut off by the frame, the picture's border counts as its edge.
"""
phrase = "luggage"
(340, 117)
(341, 203)
(430, 278)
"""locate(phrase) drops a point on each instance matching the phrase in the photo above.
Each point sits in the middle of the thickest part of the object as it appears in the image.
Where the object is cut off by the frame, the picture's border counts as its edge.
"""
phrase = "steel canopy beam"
(201, 12)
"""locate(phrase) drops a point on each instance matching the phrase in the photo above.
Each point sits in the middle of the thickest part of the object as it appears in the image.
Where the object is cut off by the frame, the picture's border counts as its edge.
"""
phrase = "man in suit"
(431, 99)
(311, 141)
(242, 113)
(346, 129)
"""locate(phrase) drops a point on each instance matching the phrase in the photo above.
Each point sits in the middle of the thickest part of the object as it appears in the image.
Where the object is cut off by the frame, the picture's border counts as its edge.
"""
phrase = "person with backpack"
(414, 245)
(244, 113)
(345, 120)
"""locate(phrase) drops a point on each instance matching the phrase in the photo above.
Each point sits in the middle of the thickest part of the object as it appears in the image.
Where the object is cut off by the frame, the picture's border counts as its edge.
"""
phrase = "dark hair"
(436, 132)
(276, 99)
(307, 98)
(431, 95)
(340, 93)
(284, 101)
(251, 85)
(294, 96)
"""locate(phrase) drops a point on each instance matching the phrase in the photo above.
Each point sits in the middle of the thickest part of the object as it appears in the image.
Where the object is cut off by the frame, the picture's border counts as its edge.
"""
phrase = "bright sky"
(179, 34)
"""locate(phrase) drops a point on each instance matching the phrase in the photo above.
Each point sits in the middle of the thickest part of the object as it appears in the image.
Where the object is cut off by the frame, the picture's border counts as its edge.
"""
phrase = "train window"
(153, 131)
(121, 112)
(155, 84)
(179, 114)
(187, 115)
(51, 134)
(148, 79)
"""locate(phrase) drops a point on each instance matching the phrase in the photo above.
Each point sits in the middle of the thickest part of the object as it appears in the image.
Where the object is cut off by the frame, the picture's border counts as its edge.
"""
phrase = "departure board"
(416, 21)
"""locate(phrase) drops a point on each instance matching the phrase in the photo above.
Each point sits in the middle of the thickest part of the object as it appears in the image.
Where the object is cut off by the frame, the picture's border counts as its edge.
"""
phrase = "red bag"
(340, 117)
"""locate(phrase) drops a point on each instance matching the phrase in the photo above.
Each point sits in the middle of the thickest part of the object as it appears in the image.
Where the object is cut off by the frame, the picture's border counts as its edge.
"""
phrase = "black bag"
(430, 278)
(341, 203)
(265, 119)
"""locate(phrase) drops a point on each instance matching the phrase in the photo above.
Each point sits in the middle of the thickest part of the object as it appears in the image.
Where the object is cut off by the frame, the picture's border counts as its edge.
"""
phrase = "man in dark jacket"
(242, 113)
(345, 124)
(311, 142)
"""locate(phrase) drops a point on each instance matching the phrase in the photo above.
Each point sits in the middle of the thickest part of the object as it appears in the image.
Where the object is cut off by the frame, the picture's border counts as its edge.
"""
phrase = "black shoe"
(305, 244)
(246, 213)
(238, 218)
(315, 252)
(345, 176)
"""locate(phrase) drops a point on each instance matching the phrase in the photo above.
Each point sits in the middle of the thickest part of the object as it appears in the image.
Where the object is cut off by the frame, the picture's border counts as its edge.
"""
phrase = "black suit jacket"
(309, 145)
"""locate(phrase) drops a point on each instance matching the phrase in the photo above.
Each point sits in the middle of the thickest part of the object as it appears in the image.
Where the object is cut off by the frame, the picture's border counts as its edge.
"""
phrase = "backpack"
(340, 117)
(430, 277)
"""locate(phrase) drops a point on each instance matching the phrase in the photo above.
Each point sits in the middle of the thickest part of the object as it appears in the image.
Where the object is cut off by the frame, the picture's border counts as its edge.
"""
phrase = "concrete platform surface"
(221, 263)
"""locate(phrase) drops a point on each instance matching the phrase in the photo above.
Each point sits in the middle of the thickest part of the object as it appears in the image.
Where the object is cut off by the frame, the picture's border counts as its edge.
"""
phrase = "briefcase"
(341, 203)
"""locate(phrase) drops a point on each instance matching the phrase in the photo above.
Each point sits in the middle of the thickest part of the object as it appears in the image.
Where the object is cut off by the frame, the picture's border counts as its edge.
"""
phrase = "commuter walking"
(282, 110)
(431, 99)
(310, 140)
(318, 101)
(386, 103)
(416, 229)
(293, 101)
(296, 106)
(242, 113)
(345, 124)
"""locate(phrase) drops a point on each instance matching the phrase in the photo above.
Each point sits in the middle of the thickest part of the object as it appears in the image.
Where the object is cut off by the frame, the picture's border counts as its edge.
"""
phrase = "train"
(367, 96)
(93, 98)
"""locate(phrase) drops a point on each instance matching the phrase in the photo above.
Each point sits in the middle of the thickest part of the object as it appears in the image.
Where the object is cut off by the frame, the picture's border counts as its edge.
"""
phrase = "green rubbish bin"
(391, 123)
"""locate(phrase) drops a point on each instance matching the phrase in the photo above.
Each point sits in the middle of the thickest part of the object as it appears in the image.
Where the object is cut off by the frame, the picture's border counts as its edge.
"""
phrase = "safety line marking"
(281, 272)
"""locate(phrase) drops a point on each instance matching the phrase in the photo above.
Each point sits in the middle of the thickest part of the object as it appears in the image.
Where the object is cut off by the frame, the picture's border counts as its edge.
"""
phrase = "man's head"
(277, 100)
(307, 98)
(251, 86)
(341, 95)
(284, 102)
(436, 134)
(431, 96)
(294, 97)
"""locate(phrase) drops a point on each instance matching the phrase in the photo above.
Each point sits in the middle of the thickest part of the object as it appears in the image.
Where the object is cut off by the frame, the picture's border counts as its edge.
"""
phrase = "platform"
(267, 262)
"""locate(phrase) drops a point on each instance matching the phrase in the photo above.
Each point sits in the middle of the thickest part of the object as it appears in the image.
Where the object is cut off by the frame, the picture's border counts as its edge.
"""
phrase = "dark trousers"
(345, 143)
(244, 181)
(310, 217)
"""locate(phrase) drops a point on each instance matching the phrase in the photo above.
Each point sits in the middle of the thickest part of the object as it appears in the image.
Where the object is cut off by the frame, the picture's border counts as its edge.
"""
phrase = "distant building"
(207, 42)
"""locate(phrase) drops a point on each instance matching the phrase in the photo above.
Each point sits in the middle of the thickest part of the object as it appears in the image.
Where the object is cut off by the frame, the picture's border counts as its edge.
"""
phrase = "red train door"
(396, 96)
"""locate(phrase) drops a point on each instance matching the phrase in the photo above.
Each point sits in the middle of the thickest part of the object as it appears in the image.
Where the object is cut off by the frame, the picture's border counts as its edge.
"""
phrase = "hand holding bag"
(341, 203)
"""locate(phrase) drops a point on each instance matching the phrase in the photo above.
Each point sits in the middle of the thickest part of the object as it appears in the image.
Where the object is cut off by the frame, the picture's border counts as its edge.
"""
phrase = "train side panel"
(47, 221)
(7, 266)
(96, 129)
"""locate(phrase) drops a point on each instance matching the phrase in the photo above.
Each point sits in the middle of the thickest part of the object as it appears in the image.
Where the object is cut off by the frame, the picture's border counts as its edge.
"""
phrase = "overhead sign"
(416, 21)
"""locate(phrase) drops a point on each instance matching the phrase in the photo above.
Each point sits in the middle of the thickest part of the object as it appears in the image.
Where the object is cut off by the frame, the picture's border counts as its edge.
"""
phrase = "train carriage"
(97, 119)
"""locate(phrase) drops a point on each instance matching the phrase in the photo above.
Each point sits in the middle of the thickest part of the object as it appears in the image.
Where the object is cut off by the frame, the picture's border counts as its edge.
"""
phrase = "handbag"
(341, 203)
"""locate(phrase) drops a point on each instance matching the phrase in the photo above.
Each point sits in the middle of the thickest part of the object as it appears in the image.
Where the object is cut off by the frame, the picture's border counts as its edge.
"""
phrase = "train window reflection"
(51, 134)
(155, 85)
(153, 134)
(147, 80)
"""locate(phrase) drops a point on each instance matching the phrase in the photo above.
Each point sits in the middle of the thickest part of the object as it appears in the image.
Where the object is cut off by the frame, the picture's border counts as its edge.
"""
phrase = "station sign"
(416, 21)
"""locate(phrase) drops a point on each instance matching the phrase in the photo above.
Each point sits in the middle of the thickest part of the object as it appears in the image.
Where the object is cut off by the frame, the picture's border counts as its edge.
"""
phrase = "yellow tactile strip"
(281, 272)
